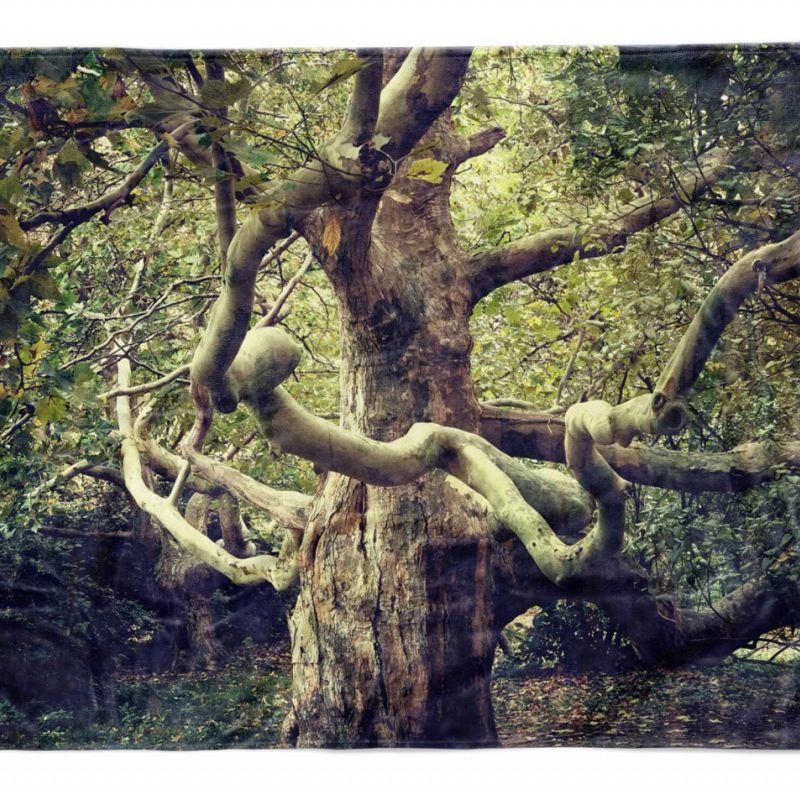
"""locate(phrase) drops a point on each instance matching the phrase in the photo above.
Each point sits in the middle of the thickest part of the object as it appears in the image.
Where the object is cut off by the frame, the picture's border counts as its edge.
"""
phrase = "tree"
(425, 533)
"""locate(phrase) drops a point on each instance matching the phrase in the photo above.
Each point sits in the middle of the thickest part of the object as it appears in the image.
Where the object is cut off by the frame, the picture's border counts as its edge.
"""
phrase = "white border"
(553, 774)
(329, 23)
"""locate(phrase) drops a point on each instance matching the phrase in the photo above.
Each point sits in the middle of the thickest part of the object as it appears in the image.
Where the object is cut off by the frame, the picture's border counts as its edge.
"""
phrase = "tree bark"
(393, 634)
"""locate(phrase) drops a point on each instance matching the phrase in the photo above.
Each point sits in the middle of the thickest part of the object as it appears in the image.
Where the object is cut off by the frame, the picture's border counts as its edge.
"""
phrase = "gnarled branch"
(665, 411)
(531, 503)
(551, 248)
(539, 435)
(239, 570)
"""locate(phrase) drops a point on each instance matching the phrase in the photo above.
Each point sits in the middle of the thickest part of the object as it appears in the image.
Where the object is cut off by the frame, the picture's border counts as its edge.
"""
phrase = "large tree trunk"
(393, 633)
(180, 587)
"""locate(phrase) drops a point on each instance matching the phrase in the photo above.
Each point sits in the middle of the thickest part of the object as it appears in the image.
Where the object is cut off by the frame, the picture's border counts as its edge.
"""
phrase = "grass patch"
(241, 706)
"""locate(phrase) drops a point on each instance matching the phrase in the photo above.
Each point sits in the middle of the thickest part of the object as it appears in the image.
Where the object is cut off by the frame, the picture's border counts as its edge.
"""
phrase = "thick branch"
(664, 633)
(551, 248)
(771, 264)
(238, 570)
(540, 436)
(735, 620)
(524, 433)
(660, 630)
(362, 112)
(734, 471)
(588, 424)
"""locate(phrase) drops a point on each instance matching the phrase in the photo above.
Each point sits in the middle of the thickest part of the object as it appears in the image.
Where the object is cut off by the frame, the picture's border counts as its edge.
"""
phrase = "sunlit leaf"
(331, 236)
(427, 169)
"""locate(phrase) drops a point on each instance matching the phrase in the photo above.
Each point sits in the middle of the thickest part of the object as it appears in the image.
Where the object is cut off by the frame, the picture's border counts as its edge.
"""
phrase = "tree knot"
(377, 168)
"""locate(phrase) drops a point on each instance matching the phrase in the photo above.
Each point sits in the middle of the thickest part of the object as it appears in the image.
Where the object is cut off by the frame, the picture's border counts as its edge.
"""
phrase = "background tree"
(588, 265)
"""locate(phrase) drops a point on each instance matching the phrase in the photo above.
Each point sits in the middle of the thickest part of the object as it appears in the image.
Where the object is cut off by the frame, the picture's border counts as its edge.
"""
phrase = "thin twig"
(272, 316)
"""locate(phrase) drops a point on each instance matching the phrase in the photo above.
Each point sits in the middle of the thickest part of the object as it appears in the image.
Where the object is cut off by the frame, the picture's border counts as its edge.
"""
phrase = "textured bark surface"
(393, 633)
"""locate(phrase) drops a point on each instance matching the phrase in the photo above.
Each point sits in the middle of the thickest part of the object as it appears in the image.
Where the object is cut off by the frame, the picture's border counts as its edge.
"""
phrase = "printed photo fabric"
(400, 398)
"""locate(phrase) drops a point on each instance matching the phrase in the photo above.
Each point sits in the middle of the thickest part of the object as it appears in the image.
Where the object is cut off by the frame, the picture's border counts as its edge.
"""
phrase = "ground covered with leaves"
(239, 706)
(732, 705)
(243, 705)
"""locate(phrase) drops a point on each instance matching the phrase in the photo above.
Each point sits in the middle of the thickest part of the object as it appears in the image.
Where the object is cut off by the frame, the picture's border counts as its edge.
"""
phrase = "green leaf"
(216, 94)
(82, 373)
(9, 187)
(427, 169)
(342, 69)
(44, 287)
(70, 153)
(625, 195)
(69, 164)
(259, 156)
(9, 323)
(99, 100)
(10, 230)
(50, 409)
(11, 140)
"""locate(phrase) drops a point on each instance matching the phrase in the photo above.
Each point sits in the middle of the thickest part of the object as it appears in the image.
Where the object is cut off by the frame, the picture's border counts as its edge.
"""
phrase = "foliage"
(567, 637)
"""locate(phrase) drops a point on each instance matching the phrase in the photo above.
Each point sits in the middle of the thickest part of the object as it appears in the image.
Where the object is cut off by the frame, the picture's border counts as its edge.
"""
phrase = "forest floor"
(737, 704)
(242, 705)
